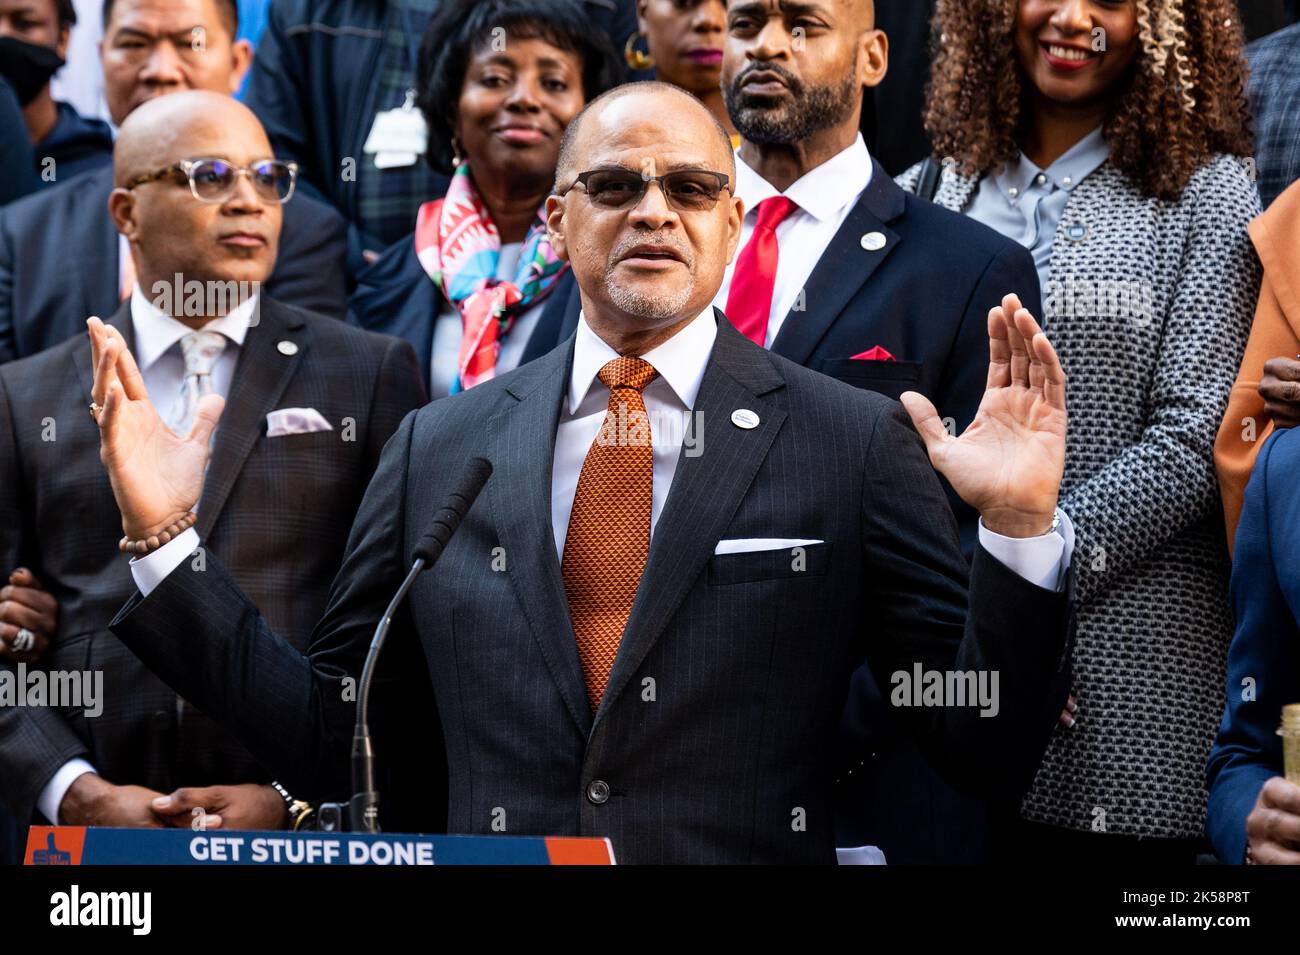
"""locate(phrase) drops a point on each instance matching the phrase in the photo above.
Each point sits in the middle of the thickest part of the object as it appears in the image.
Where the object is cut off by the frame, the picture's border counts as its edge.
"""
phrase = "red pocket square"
(873, 354)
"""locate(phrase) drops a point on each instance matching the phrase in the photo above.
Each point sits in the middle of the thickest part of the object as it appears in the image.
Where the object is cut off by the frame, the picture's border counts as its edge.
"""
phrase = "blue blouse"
(1026, 203)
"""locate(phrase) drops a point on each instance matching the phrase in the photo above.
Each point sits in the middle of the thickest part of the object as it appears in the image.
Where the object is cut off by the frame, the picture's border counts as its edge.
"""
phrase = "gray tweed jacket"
(1149, 304)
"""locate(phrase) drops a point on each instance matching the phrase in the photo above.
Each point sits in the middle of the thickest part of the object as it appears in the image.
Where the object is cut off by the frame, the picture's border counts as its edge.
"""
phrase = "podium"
(88, 845)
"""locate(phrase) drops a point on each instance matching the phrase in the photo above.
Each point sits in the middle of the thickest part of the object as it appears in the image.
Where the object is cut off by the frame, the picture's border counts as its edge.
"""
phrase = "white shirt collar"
(822, 192)
(680, 361)
(156, 331)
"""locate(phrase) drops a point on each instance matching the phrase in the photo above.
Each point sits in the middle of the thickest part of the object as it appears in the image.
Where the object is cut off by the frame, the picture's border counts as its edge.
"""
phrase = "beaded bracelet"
(152, 543)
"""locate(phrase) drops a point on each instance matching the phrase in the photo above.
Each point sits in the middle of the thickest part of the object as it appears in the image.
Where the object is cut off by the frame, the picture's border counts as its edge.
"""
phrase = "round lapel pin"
(873, 241)
(744, 418)
(287, 348)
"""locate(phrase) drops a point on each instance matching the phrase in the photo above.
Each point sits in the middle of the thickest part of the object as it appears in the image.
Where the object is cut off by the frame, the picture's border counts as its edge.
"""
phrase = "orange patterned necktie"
(609, 530)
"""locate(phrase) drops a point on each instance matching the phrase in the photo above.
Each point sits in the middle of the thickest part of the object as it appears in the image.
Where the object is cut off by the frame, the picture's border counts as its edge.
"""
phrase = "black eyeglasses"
(686, 190)
(213, 180)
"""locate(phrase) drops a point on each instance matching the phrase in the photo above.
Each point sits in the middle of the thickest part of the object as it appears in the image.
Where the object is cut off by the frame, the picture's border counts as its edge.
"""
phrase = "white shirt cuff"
(1040, 560)
(860, 855)
(51, 797)
(150, 570)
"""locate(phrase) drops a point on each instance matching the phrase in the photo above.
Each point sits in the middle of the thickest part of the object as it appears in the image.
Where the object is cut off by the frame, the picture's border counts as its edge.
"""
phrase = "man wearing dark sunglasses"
(311, 403)
(634, 634)
(150, 49)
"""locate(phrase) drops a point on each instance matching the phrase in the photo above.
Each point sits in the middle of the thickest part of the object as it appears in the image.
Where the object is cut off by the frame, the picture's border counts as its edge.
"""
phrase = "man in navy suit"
(870, 285)
(1254, 813)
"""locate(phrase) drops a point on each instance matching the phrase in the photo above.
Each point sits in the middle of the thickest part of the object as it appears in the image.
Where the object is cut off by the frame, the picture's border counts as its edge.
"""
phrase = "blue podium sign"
(79, 845)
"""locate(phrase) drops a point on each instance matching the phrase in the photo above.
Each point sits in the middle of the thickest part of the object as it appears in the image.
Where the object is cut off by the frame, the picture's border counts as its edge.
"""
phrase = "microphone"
(363, 807)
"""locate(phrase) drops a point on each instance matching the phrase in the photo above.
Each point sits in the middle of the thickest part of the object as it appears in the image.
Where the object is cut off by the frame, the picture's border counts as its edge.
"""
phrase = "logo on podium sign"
(55, 845)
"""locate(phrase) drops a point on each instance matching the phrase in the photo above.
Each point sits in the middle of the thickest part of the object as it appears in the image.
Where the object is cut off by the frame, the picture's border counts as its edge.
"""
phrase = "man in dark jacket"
(16, 175)
(540, 670)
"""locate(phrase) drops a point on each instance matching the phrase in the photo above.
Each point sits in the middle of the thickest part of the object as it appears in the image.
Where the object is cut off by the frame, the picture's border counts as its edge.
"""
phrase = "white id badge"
(398, 136)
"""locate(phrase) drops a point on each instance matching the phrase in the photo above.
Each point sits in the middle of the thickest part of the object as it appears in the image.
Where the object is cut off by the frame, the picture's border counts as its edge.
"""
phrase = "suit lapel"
(99, 267)
(261, 375)
(523, 451)
(706, 492)
(553, 327)
(81, 357)
(572, 309)
(844, 268)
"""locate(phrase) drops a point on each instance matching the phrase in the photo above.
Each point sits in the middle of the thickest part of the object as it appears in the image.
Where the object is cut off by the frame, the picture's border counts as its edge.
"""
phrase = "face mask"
(27, 67)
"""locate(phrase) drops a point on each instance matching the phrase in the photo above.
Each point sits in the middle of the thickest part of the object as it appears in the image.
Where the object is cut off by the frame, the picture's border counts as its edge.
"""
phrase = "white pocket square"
(751, 545)
(295, 421)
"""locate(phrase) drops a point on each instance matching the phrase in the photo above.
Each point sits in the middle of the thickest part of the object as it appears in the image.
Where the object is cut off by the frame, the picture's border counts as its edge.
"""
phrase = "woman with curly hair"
(1110, 137)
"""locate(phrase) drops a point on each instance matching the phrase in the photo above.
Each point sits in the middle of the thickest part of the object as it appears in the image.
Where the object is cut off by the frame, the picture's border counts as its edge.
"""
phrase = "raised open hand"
(1008, 463)
(156, 475)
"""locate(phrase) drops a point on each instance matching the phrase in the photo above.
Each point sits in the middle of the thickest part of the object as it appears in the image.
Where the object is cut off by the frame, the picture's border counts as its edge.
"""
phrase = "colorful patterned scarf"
(458, 246)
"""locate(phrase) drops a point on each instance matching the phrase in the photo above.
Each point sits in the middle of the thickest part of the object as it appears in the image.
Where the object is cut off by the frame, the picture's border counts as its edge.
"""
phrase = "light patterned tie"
(201, 351)
(609, 530)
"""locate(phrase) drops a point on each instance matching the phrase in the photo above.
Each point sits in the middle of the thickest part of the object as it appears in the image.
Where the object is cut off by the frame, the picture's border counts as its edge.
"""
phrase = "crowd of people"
(425, 198)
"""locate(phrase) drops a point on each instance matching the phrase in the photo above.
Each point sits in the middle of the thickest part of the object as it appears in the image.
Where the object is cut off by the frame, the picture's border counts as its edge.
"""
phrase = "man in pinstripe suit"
(651, 644)
(312, 403)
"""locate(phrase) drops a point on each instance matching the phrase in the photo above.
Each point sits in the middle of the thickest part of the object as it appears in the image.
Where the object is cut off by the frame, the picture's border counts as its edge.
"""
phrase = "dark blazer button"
(598, 791)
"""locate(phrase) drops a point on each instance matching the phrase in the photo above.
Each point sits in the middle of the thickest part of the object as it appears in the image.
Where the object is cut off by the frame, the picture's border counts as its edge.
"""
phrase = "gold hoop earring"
(635, 58)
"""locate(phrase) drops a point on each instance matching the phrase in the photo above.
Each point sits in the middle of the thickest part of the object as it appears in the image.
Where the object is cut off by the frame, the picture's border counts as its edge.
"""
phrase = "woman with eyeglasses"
(477, 288)
(683, 45)
(1112, 138)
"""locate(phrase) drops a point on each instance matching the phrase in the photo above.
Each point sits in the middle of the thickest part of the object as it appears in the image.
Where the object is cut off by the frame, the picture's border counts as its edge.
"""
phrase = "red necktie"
(749, 302)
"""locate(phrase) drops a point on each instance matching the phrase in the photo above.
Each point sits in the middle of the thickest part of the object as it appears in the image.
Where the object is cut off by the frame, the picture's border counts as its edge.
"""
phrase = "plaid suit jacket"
(1274, 92)
(277, 510)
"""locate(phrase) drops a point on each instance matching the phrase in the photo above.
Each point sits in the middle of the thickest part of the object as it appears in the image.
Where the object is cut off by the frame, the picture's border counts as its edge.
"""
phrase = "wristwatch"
(299, 809)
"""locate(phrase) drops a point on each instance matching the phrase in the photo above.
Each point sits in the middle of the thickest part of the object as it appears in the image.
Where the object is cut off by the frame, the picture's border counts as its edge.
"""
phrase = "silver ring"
(24, 640)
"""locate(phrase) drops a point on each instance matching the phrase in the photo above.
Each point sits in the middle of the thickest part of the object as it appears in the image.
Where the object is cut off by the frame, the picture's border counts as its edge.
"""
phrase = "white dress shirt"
(158, 355)
(157, 348)
(669, 399)
(448, 329)
(825, 196)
